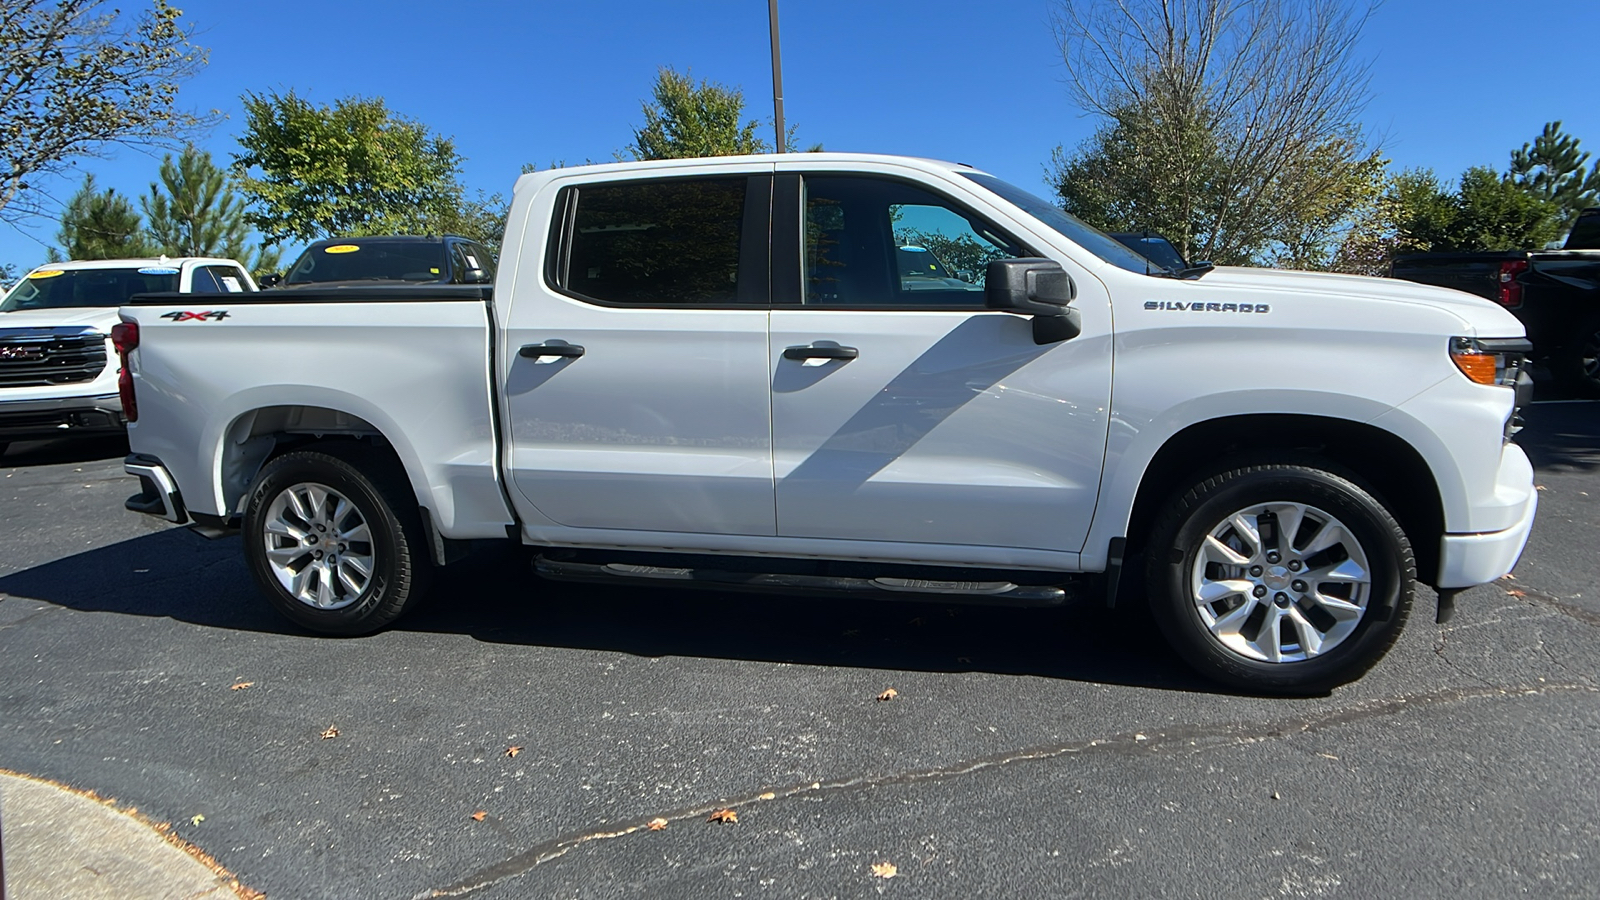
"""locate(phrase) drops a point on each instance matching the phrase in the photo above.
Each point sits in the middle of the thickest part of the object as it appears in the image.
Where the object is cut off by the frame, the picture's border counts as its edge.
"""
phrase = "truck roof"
(132, 262)
(666, 165)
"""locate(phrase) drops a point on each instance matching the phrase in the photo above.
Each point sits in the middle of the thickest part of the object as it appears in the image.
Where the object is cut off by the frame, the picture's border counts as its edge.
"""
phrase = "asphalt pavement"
(515, 738)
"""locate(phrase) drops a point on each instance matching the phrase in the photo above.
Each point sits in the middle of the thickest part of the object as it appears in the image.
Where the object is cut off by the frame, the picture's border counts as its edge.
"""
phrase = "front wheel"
(334, 539)
(1280, 578)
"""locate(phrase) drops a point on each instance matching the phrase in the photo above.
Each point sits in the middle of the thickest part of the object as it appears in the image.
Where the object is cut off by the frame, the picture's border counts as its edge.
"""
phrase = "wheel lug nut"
(321, 527)
(1299, 586)
(1260, 591)
(1282, 600)
(1255, 571)
(1294, 565)
(1273, 557)
(316, 554)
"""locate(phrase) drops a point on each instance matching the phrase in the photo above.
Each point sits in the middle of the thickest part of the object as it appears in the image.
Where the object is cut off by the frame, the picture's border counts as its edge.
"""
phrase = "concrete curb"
(60, 843)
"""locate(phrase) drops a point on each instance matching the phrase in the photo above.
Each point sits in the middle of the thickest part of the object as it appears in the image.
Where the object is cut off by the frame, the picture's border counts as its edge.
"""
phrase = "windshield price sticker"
(158, 270)
(341, 248)
(47, 273)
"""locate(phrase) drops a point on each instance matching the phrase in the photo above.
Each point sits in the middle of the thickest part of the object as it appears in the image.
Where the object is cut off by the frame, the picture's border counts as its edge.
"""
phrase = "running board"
(991, 593)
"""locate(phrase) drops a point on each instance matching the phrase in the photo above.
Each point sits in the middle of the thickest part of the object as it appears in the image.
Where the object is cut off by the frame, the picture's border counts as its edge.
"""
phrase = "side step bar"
(992, 593)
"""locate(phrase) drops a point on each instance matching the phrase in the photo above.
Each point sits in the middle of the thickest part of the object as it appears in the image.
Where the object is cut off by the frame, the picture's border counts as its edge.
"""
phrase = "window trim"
(790, 262)
(755, 243)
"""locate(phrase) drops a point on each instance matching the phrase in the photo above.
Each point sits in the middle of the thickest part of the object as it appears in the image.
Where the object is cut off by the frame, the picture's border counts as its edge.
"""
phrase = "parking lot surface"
(515, 737)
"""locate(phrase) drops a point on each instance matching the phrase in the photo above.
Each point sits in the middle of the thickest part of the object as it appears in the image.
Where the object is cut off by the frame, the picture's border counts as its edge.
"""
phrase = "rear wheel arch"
(1380, 461)
(257, 437)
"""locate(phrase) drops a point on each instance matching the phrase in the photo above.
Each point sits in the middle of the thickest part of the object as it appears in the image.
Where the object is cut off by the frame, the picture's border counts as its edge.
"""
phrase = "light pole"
(777, 74)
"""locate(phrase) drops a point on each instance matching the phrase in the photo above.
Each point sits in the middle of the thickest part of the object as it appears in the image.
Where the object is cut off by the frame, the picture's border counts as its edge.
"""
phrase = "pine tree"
(1554, 169)
(102, 225)
(195, 212)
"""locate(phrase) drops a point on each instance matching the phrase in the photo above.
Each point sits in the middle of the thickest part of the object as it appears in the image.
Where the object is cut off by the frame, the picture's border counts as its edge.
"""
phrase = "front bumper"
(1469, 559)
(54, 417)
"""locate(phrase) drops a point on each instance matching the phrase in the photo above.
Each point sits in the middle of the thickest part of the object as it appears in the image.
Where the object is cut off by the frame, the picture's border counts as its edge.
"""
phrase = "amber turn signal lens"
(1477, 366)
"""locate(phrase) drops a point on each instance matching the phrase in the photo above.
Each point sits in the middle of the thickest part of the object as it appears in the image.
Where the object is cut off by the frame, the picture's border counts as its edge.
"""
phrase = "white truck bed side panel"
(415, 371)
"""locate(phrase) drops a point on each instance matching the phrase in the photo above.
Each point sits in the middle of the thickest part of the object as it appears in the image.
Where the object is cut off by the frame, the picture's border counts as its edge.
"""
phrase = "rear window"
(68, 288)
(358, 260)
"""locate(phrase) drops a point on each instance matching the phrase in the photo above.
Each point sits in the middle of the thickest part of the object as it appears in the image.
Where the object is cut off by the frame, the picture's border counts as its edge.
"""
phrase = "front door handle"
(821, 353)
(534, 351)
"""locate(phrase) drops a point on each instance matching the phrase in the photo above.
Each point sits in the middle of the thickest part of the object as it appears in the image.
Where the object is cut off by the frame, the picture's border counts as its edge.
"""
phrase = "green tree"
(684, 120)
(353, 168)
(76, 76)
(1495, 213)
(1231, 126)
(1553, 169)
(194, 211)
(102, 225)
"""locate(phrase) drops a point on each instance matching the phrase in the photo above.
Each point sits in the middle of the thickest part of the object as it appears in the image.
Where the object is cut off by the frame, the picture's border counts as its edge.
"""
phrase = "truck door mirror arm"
(1035, 287)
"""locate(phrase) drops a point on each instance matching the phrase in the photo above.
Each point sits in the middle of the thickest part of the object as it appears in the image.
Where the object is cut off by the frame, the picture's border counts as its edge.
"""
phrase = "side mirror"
(1035, 287)
(476, 276)
(1031, 286)
(271, 279)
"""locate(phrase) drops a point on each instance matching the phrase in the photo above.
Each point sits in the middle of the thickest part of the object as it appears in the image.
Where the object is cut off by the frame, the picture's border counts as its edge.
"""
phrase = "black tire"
(1577, 365)
(1181, 532)
(399, 569)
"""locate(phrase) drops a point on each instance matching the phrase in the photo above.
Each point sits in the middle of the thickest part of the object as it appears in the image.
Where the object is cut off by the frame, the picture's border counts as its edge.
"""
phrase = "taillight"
(1510, 295)
(125, 337)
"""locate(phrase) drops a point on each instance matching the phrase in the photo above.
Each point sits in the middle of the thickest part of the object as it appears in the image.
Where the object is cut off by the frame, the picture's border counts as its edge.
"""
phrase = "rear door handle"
(821, 353)
(534, 351)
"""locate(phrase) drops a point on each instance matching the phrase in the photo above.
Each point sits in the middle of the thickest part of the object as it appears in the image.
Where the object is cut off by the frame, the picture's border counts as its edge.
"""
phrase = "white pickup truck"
(55, 327)
(755, 373)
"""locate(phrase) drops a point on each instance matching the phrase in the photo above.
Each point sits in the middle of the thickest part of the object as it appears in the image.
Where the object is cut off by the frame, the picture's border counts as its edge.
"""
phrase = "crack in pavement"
(1572, 610)
(1191, 738)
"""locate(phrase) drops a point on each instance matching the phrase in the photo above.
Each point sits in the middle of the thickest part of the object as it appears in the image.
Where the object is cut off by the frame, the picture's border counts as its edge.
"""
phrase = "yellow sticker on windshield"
(47, 273)
(341, 248)
(433, 271)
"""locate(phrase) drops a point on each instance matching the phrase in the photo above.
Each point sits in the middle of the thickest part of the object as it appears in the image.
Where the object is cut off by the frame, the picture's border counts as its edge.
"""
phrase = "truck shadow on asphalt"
(1562, 436)
(494, 597)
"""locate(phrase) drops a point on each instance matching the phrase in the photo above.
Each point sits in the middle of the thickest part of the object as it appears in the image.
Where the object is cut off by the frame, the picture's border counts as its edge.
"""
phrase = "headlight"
(1490, 360)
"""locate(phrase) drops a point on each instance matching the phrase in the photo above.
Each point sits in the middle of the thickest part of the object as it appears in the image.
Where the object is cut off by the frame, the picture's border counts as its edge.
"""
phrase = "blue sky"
(1456, 82)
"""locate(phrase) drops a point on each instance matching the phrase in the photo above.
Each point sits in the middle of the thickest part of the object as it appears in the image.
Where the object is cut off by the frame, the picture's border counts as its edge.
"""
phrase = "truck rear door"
(635, 362)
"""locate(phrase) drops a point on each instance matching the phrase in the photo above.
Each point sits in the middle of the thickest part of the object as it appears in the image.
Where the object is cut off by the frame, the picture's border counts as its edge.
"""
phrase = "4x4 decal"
(210, 315)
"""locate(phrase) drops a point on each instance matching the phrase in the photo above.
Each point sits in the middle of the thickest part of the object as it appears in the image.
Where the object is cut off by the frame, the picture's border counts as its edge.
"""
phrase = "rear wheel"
(1578, 364)
(334, 539)
(1280, 578)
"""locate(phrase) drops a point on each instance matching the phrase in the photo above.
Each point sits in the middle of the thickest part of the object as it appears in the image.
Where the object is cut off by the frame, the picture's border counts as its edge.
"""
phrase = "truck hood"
(100, 318)
(1483, 317)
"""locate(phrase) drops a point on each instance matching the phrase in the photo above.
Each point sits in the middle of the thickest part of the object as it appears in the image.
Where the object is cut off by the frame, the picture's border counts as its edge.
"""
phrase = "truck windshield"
(370, 260)
(1073, 229)
(62, 288)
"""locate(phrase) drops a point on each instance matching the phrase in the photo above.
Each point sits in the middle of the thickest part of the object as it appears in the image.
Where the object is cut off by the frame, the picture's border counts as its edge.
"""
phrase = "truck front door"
(636, 366)
(903, 410)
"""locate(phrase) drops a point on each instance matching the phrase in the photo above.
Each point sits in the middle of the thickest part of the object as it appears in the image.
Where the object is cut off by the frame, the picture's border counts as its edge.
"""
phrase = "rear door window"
(663, 243)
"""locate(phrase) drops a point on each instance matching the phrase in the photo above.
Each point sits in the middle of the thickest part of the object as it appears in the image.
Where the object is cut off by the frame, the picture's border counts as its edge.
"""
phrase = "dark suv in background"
(408, 259)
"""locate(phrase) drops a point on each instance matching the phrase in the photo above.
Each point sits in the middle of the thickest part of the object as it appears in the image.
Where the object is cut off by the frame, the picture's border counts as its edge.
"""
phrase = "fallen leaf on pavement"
(726, 816)
(890, 694)
(768, 796)
(332, 731)
(242, 685)
(196, 820)
(513, 751)
(479, 816)
(1516, 593)
(657, 824)
(884, 870)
